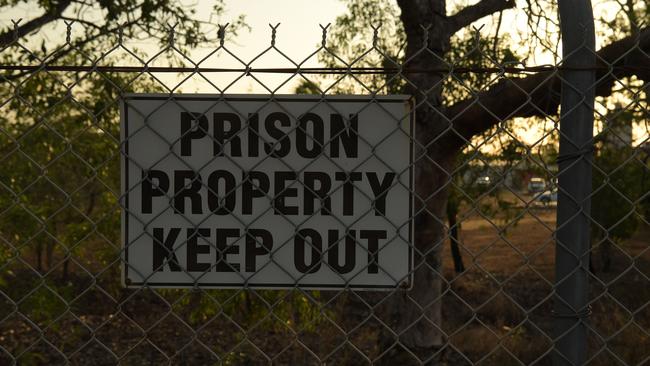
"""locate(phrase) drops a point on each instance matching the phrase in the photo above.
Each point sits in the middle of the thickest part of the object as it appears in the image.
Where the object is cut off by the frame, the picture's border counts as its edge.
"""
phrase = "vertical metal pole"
(574, 179)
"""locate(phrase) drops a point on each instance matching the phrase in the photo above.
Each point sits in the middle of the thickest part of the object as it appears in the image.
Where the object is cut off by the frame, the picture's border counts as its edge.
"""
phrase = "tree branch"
(34, 24)
(539, 94)
(49, 59)
(477, 11)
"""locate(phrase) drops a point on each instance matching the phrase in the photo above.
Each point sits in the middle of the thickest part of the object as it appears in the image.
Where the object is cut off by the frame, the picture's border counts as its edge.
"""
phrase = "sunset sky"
(298, 36)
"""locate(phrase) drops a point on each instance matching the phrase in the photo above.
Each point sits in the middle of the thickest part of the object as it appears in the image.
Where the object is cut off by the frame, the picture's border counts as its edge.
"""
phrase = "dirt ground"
(508, 284)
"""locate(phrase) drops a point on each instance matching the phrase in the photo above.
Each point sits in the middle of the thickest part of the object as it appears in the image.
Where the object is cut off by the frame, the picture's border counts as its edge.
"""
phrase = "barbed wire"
(320, 70)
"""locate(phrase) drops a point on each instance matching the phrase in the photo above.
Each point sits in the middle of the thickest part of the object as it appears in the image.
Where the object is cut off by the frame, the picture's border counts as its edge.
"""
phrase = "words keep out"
(310, 249)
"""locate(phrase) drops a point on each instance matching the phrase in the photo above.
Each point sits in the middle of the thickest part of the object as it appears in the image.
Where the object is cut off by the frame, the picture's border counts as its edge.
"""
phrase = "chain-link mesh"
(485, 200)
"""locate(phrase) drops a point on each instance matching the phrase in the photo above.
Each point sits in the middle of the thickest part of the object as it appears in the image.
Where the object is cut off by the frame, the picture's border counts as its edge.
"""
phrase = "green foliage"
(618, 187)
(60, 189)
(475, 50)
(619, 179)
(293, 310)
(351, 42)
(59, 186)
(60, 162)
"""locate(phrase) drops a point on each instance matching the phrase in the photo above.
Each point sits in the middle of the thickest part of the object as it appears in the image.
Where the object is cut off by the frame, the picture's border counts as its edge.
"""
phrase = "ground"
(508, 283)
(498, 312)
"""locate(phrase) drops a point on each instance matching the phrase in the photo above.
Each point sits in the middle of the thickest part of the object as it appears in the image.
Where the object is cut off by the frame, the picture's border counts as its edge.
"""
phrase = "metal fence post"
(574, 179)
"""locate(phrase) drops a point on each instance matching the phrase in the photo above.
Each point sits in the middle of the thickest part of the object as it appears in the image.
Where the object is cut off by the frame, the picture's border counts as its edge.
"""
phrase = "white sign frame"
(129, 102)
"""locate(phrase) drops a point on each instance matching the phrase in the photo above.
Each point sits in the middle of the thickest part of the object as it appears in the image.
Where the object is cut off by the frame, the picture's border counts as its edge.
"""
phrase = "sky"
(297, 37)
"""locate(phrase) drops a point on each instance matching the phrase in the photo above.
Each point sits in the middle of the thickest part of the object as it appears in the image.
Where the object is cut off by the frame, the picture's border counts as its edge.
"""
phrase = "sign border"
(406, 283)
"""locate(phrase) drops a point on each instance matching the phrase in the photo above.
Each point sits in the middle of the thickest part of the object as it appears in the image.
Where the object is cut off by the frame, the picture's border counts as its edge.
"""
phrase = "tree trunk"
(49, 251)
(606, 255)
(601, 245)
(417, 312)
(66, 268)
(39, 256)
(454, 240)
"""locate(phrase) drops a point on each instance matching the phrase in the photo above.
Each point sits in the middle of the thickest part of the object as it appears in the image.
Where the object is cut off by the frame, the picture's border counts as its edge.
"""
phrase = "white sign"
(267, 191)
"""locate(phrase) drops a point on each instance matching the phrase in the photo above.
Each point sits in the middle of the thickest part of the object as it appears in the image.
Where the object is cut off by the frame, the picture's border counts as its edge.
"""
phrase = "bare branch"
(539, 94)
(477, 11)
(34, 24)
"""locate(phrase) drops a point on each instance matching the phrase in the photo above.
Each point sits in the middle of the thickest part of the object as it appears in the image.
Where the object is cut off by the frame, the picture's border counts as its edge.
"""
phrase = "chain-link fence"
(480, 166)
